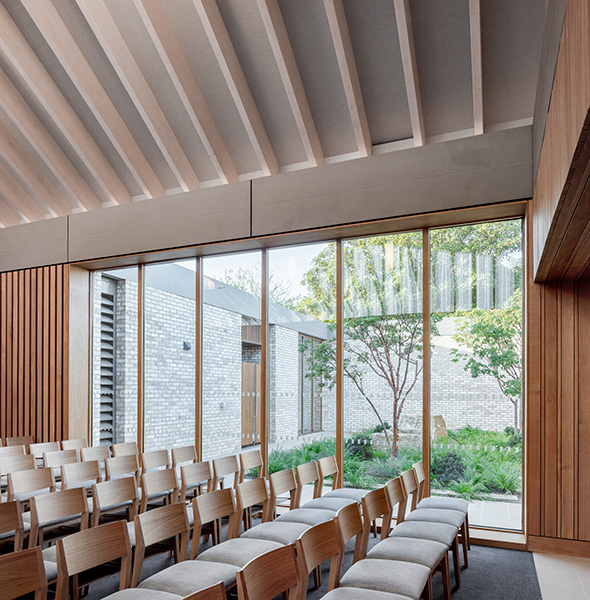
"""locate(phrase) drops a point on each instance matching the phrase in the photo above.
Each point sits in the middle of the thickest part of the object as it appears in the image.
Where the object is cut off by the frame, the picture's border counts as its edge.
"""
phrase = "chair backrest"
(327, 467)
(314, 546)
(95, 453)
(57, 458)
(20, 440)
(269, 575)
(18, 450)
(251, 460)
(282, 482)
(90, 548)
(125, 449)
(11, 521)
(395, 492)
(122, 465)
(57, 507)
(249, 493)
(154, 527)
(215, 592)
(37, 450)
(307, 473)
(420, 478)
(410, 486)
(158, 482)
(76, 444)
(375, 506)
(195, 475)
(114, 495)
(22, 573)
(81, 474)
(23, 484)
(224, 466)
(183, 455)
(350, 524)
(157, 459)
(20, 462)
(208, 508)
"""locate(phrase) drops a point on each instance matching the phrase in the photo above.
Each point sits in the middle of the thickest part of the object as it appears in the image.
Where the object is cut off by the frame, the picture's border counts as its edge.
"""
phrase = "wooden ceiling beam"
(20, 161)
(348, 71)
(408, 53)
(180, 73)
(21, 57)
(61, 41)
(8, 217)
(476, 68)
(31, 128)
(283, 52)
(112, 42)
(19, 196)
(236, 81)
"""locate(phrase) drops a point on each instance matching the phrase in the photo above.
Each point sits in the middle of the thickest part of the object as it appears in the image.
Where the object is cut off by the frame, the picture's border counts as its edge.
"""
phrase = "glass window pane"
(231, 353)
(476, 369)
(302, 317)
(382, 357)
(169, 355)
(114, 361)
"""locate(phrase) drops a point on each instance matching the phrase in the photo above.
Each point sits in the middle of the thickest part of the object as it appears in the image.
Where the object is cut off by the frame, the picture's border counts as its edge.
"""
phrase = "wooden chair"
(250, 494)
(37, 450)
(223, 467)
(158, 485)
(75, 444)
(17, 450)
(251, 460)
(328, 467)
(165, 524)
(375, 505)
(350, 524)
(11, 524)
(100, 453)
(115, 495)
(319, 543)
(184, 455)
(269, 575)
(195, 477)
(215, 592)
(122, 466)
(308, 474)
(81, 474)
(22, 485)
(80, 556)
(157, 459)
(20, 440)
(22, 573)
(125, 449)
(58, 513)
(55, 459)
(19, 462)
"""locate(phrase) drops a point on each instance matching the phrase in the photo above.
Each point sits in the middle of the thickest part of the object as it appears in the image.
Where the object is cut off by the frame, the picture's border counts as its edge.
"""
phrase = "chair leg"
(455, 548)
(468, 533)
(464, 543)
(427, 592)
(446, 576)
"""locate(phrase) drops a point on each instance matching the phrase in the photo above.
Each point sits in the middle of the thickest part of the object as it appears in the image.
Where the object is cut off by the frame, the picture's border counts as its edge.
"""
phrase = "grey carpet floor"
(493, 574)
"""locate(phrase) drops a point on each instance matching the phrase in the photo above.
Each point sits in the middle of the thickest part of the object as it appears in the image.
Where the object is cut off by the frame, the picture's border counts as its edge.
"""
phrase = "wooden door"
(251, 374)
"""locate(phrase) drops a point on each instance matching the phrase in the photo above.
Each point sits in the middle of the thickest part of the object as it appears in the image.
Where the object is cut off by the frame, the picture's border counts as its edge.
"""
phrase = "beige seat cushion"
(438, 532)
(392, 576)
(327, 503)
(282, 532)
(437, 515)
(238, 551)
(445, 504)
(190, 576)
(307, 516)
(137, 594)
(424, 552)
(360, 594)
(352, 493)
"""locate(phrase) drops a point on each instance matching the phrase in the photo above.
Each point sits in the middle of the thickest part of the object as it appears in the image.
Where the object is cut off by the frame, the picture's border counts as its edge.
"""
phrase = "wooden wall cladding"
(34, 361)
(555, 193)
(558, 414)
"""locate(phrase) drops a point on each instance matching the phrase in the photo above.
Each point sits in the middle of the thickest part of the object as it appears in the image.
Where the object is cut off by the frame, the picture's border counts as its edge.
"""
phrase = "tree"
(494, 340)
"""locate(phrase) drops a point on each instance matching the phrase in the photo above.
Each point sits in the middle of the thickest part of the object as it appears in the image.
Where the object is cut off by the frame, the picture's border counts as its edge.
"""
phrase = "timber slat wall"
(34, 311)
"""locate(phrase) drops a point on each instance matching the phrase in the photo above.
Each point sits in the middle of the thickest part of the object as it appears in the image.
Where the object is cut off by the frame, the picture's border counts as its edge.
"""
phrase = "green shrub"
(447, 467)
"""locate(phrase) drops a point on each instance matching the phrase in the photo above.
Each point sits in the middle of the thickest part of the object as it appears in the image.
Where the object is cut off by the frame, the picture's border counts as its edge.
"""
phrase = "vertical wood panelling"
(34, 353)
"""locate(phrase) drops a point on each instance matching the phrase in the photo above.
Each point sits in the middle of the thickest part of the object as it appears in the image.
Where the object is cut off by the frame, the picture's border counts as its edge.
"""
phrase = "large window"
(377, 403)
(476, 369)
